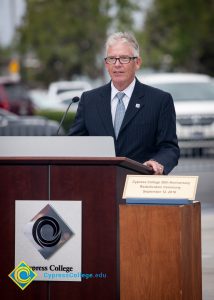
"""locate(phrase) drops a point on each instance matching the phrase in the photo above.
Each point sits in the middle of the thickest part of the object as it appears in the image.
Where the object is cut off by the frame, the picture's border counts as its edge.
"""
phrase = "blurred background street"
(48, 55)
(53, 51)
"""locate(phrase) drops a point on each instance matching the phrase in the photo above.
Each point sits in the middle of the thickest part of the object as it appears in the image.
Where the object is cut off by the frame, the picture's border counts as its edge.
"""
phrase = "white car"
(61, 103)
(57, 88)
(65, 98)
(193, 96)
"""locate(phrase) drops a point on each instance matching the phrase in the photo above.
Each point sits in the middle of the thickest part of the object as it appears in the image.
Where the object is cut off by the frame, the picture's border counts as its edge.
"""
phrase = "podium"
(135, 245)
(160, 252)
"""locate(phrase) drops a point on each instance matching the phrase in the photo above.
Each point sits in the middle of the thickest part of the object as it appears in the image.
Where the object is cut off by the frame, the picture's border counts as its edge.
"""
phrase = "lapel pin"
(137, 105)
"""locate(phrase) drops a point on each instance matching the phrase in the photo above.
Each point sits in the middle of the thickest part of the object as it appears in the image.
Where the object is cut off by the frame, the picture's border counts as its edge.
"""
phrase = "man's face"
(122, 74)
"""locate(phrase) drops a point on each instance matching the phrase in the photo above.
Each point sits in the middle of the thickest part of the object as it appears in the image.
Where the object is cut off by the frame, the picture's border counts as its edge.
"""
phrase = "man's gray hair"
(125, 37)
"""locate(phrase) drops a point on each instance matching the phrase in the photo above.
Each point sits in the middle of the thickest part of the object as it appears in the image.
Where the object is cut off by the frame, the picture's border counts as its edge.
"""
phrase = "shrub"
(57, 116)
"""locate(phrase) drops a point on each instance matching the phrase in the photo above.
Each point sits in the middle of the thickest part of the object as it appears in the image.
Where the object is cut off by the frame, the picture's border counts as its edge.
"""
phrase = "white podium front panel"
(57, 146)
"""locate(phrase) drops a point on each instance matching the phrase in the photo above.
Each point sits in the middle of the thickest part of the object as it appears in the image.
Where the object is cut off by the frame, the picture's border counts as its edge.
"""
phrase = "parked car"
(39, 98)
(193, 96)
(61, 103)
(66, 98)
(14, 125)
(14, 96)
(4, 101)
(57, 88)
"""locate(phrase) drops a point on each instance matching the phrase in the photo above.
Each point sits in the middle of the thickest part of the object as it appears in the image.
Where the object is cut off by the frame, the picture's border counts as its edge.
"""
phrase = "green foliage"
(57, 116)
(178, 35)
(68, 36)
(123, 19)
(5, 57)
(64, 35)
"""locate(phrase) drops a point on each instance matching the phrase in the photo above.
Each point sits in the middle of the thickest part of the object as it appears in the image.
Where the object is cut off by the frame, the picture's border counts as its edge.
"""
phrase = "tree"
(5, 54)
(178, 35)
(68, 36)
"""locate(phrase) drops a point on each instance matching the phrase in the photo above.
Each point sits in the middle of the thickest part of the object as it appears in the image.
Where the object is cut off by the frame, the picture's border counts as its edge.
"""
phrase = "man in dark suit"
(139, 117)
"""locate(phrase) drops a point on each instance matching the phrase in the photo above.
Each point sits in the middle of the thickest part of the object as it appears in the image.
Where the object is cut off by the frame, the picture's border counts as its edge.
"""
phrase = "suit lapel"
(136, 103)
(104, 109)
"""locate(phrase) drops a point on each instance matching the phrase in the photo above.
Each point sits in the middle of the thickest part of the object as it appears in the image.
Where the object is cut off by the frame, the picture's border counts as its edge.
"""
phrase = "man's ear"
(138, 63)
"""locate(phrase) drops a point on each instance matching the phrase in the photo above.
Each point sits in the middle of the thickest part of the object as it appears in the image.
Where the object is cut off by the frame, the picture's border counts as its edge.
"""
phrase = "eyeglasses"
(111, 60)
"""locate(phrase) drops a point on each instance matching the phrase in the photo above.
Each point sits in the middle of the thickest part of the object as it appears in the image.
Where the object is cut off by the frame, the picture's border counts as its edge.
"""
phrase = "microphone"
(74, 100)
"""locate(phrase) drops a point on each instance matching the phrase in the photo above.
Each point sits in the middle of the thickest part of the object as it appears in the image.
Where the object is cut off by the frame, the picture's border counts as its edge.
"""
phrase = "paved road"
(204, 168)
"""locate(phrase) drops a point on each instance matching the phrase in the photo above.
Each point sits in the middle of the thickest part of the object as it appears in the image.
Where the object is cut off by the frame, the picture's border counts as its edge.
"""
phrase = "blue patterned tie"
(120, 112)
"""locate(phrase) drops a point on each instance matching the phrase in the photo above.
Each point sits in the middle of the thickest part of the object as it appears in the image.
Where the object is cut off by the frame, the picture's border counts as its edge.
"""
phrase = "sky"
(11, 12)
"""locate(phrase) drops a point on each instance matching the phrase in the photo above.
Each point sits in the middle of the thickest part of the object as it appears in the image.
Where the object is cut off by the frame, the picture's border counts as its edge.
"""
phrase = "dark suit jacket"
(148, 130)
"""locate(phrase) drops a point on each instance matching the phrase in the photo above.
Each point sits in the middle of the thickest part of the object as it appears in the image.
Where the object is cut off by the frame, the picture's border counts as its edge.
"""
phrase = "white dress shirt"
(114, 100)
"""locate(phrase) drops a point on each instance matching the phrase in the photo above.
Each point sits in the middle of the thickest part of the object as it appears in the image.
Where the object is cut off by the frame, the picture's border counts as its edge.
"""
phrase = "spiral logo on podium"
(48, 231)
(22, 275)
(41, 234)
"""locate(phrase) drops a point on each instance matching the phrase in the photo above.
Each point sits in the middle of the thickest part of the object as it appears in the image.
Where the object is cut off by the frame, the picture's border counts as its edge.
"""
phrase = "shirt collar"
(128, 91)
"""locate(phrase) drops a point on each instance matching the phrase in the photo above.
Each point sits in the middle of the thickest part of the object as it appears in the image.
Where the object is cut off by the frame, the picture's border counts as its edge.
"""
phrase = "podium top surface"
(57, 146)
(59, 150)
(96, 161)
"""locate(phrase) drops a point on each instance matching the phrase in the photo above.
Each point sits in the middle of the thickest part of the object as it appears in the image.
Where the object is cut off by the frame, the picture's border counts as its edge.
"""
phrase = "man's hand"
(157, 168)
